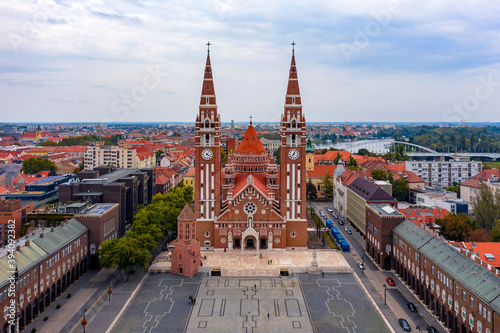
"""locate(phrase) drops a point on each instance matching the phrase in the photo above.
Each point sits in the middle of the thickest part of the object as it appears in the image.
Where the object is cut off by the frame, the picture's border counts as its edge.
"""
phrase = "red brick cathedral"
(251, 203)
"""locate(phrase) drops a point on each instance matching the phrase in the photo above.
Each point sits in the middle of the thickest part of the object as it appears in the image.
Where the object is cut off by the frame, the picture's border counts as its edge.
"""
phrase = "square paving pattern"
(337, 303)
(243, 305)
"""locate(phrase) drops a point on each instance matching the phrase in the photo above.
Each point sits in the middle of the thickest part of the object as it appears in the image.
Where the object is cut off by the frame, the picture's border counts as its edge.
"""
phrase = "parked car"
(322, 213)
(341, 222)
(330, 210)
(412, 307)
(390, 281)
(404, 325)
(346, 228)
(335, 215)
(432, 329)
(360, 265)
(349, 232)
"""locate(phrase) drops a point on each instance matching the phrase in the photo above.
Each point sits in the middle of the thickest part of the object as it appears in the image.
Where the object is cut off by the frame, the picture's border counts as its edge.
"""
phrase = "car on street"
(349, 232)
(330, 210)
(335, 215)
(432, 329)
(404, 325)
(390, 281)
(322, 213)
(341, 222)
(361, 265)
(412, 307)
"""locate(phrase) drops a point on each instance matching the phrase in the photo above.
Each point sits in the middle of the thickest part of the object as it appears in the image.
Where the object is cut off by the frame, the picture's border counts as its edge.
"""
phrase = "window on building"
(463, 295)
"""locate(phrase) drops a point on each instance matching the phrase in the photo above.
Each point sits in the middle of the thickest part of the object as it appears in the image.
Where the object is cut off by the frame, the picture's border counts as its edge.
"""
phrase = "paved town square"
(300, 303)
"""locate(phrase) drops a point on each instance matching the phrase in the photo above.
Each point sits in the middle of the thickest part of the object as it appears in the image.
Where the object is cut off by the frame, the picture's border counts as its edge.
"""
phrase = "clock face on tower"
(207, 154)
(293, 154)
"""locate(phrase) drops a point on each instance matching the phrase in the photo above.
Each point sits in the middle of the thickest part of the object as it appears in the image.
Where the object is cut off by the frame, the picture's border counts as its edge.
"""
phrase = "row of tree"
(151, 224)
(84, 140)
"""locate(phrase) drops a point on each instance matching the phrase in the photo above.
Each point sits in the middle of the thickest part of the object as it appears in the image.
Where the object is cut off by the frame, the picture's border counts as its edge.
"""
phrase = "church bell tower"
(207, 160)
(293, 161)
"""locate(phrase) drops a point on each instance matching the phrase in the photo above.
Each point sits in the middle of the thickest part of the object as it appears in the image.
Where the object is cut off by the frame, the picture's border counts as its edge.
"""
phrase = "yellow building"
(189, 178)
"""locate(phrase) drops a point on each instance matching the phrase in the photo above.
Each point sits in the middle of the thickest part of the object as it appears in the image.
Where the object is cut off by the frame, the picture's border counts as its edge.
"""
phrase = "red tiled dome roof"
(250, 144)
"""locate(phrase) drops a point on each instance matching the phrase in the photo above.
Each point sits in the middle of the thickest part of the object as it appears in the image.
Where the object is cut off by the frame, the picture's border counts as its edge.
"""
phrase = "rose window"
(250, 208)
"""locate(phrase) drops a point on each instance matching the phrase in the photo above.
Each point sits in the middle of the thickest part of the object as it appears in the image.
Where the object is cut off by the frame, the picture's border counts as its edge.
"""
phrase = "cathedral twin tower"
(251, 203)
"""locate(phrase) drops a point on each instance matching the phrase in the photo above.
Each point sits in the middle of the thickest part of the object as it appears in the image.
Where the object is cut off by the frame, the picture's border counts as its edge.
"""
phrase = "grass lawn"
(495, 165)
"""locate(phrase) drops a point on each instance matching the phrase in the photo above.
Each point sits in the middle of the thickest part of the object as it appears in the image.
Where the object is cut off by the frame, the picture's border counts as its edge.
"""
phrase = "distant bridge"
(386, 145)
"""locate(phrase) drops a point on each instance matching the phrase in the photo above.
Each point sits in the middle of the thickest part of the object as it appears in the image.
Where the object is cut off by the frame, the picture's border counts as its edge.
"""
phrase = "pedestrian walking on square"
(255, 286)
(268, 315)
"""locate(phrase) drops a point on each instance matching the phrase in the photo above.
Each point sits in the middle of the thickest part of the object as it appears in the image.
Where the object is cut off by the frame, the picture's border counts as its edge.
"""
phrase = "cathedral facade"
(251, 202)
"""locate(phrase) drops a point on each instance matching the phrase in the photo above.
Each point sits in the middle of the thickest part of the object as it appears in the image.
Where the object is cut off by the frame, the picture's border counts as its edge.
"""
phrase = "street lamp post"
(84, 319)
(385, 294)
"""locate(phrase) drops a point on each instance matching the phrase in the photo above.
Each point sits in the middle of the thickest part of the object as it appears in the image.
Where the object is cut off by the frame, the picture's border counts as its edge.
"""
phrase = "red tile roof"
(320, 171)
(427, 215)
(410, 176)
(250, 144)
(490, 248)
(487, 174)
(256, 183)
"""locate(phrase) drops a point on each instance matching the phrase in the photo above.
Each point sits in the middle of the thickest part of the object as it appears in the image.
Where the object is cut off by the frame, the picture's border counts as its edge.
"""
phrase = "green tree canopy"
(311, 190)
(363, 152)
(34, 165)
(486, 207)
(150, 225)
(455, 227)
(379, 174)
(400, 189)
(327, 186)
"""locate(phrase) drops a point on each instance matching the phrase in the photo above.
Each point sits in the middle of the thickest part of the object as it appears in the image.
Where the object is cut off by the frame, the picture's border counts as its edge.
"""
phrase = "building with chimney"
(251, 203)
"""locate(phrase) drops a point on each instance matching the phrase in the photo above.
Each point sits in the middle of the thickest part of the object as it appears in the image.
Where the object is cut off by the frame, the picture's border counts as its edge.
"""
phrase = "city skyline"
(400, 61)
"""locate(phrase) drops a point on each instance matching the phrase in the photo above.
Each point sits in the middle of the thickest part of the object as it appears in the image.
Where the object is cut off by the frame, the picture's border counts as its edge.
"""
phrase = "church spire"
(208, 90)
(293, 92)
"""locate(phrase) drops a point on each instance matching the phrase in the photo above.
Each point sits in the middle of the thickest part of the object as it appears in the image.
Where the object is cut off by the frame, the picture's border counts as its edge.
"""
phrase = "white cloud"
(84, 55)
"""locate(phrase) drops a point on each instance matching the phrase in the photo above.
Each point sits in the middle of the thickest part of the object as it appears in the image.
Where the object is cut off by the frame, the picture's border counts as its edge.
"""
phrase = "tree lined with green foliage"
(327, 186)
(34, 165)
(455, 227)
(486, 207)
(400, 189)
(311, 190)
(84, 140)
(151, 224)
(379, 174)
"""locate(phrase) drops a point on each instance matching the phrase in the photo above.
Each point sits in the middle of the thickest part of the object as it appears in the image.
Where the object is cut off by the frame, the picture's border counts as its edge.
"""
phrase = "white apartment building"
(120, 157)
(441, 174)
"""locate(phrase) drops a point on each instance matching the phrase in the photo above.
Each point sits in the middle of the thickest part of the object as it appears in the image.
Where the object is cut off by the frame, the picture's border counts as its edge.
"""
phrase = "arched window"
(207, 138)
(293, 138)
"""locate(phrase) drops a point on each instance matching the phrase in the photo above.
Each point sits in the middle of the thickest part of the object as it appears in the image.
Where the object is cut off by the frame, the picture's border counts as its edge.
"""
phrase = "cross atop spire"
(293, 47)
(208, 46)
(250, 120)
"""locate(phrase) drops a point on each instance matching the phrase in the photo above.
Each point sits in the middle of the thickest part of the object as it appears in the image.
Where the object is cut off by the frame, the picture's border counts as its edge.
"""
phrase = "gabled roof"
(250, 144)
(475, 183)
(487, 174)
(256, 183)
(410, 176)
(320, 171)
(369, 191)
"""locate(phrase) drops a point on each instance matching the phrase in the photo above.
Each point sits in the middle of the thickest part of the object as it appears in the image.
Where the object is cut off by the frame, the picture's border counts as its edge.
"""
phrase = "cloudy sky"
(133, 60)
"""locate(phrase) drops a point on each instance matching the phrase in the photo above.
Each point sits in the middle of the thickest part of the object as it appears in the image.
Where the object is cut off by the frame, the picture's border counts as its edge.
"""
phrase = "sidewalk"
(84, 292)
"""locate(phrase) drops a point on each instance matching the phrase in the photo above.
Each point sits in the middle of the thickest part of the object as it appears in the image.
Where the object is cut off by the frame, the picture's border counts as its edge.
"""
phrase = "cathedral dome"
(250, 144)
